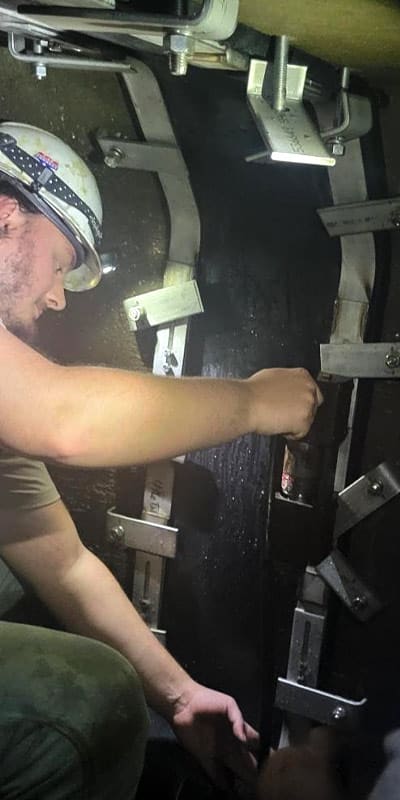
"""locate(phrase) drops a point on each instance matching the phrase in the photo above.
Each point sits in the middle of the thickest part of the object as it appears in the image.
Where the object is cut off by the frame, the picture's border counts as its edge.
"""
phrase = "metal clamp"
(372, 215)
(337, 573)
(153, 544)
(368, 493)
(160, 306)
(138, 534)
(41, 58)
(286, 128)
(368, 360)
(193, 39)
(313, 704)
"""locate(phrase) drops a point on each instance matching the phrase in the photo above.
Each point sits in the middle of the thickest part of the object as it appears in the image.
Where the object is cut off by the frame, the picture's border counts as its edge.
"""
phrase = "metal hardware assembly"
(178, 298)
(169, 304)
(357, 276)
(153, 543)
(370, 492)
(356, 596)
(373, 215)
(289, 133)
(196, 39)
(369, 360)
(41, 57)
(323, 707)
(138, 534)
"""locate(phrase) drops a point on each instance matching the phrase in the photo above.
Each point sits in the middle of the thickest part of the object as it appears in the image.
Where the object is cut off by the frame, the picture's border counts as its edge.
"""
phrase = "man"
(72, 716)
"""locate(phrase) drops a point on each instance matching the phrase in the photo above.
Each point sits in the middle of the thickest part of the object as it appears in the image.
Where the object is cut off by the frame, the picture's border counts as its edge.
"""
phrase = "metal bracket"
(373, 215)
(289, 134)
(370, 492)
(138, 534)
(41, 58)
(153, 544)
(369, 360)
(169, 304)
(313, 704)
(337, 573)
(192, 39)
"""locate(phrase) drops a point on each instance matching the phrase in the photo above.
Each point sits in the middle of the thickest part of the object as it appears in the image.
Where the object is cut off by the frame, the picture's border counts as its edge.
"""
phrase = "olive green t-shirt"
(25, 483)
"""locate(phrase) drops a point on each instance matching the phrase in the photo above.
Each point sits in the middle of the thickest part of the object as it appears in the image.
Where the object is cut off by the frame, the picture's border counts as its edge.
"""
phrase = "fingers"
(252, 737)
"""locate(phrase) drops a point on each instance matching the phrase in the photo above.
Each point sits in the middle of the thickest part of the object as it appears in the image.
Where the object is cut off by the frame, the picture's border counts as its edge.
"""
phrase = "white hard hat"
(58, 182)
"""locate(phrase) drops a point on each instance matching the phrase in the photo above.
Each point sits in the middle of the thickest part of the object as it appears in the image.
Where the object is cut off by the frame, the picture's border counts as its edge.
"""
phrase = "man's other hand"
(210, 725)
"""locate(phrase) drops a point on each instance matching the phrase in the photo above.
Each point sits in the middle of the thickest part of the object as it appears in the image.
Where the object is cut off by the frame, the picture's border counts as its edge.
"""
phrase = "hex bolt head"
(135, 313)
(337, 147)
(392, 359)
(113, 157)
(180, 47)
(339, 714)
(40, 71)
(375, 488)
(359, 602)
(116, 535)
(395, 218)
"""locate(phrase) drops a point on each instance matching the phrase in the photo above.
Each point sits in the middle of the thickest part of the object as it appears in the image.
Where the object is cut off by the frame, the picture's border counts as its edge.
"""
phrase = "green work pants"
(73, 720)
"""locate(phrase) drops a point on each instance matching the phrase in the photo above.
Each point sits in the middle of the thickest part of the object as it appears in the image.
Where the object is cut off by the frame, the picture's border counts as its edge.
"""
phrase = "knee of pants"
(80, 686)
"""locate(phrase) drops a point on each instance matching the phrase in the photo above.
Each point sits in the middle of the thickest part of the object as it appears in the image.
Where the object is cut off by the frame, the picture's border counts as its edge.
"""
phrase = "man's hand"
(210, 725)
(305, 771)
(284, 401)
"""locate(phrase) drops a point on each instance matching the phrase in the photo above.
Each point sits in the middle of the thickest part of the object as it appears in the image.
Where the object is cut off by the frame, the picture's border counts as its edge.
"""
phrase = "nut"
(179, 47)
(179, 43)
(375, 488)
(339, 714)
(116, 535)
(359, 602)
(392, 359)
(40, 71)
(113, 157)
(337, 147)
(395, 218)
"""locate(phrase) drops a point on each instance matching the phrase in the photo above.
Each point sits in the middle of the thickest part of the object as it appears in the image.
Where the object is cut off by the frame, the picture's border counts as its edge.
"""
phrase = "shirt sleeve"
(25, 483)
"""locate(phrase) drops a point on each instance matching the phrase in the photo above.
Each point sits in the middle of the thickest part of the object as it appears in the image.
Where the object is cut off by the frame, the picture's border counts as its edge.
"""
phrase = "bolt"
(280, 72)
(339, 714)
(375, 488)
(395, 218)
(113, 157)
(180, 47)
(40, 71)
(337, 147)
(135, 313)
(359, 602)
(116, 535)
(170, 361)
(392, 359)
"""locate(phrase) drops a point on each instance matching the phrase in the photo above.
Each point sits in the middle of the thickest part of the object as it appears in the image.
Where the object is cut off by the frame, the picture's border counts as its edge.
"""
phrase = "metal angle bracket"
(336, 571)
(160, 306)
(153, 543)
(290, 134)
(323, 707)
(138, 534)
(372, 215)
(368, 493)
(364, 360)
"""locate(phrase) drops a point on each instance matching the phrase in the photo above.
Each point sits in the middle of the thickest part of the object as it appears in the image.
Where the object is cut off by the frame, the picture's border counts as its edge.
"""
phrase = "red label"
(47, 161)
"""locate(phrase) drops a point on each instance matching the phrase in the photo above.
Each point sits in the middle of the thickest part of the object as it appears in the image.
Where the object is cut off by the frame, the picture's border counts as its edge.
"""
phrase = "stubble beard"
(15, 285)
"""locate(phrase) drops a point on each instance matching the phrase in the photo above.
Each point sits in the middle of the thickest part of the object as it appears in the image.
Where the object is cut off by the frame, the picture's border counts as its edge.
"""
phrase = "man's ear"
(8, 207)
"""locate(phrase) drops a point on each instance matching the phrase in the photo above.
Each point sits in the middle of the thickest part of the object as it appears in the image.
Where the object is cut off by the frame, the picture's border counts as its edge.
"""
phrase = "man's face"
(34, 259)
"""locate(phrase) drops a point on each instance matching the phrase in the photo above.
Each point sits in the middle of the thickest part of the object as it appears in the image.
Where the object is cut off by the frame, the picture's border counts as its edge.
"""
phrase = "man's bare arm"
(42, 546)
(94, 416)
